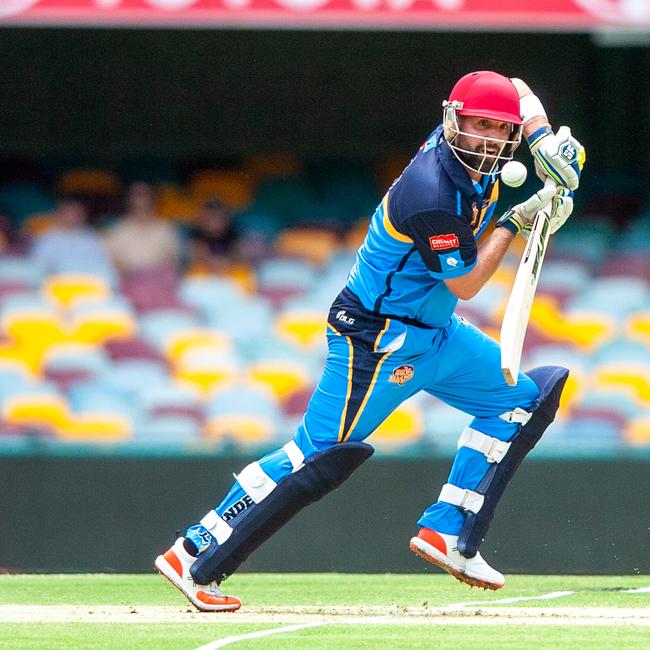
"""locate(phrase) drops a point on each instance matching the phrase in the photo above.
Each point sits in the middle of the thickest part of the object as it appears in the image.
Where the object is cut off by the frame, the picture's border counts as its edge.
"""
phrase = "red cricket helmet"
(487, 94)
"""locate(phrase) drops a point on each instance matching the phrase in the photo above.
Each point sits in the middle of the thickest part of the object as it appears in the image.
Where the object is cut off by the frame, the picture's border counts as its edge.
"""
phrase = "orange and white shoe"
(175, 565)
(442, 550)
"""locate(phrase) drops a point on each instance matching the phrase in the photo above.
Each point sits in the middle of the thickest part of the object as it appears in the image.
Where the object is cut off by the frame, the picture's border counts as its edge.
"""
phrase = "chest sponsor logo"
(443, 242)
(401, 375)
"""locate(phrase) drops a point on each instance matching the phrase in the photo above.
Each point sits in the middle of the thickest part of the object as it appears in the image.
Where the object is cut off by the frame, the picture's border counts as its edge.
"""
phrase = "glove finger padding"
(562, 207)
(519, 219)
(530, 207)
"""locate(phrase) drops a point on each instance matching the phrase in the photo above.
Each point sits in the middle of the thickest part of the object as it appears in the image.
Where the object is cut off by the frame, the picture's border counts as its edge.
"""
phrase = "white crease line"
(220, 643)
(640, 590)
(501, 601)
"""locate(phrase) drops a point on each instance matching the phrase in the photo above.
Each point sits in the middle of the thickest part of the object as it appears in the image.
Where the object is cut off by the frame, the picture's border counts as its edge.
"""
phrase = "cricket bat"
(515, 320)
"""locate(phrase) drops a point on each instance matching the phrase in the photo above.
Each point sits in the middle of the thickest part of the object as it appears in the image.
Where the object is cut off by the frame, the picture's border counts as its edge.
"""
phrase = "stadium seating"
(204, 362)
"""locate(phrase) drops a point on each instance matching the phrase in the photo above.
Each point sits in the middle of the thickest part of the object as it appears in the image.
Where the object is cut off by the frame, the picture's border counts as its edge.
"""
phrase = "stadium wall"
(115, 514)
(107, 94)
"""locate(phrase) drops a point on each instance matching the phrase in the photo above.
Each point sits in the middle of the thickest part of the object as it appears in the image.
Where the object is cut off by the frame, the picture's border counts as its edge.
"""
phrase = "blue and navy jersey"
(423, 232)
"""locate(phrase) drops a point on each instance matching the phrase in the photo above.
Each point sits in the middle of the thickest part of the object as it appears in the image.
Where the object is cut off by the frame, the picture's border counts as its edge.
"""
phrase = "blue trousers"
(373, 365)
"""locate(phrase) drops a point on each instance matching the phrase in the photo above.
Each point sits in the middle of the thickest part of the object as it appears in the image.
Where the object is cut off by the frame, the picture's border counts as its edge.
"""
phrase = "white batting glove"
(559, 157)
(561, 208)
(519, 219)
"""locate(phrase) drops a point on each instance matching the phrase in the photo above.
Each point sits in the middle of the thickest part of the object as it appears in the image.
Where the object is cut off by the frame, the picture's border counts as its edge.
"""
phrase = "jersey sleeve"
(445, 242)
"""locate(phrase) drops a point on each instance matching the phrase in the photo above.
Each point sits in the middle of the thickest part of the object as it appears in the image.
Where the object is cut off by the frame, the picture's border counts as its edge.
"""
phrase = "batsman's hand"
(559, 157)
(519, 219)
(561, 208)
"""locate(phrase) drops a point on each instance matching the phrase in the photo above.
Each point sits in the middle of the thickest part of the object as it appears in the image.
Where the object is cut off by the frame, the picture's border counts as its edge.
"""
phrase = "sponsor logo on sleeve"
(443, 242)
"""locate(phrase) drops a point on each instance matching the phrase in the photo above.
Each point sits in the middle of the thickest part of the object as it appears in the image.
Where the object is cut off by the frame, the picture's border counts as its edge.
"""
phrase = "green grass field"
(327, 611)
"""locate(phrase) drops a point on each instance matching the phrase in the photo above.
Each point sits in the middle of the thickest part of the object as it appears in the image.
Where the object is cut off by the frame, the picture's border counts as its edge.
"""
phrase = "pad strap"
(518, 415)
(216, 526)
(295, 455)
(255, 482)
(492, 448)
(465, 499)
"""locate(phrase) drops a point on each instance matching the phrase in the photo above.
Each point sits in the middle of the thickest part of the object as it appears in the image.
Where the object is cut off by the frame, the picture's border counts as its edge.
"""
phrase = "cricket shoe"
(175, 565)
(442, 550)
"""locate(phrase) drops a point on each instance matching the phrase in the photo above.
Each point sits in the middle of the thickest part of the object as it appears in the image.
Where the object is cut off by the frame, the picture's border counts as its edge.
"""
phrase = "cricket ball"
(514, 173)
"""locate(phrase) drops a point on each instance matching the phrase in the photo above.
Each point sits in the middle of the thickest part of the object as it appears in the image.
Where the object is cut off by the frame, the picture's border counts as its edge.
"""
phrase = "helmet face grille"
(481, 161)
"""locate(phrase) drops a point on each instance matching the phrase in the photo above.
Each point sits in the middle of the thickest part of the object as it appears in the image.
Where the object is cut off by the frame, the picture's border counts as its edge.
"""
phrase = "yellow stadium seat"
(284, 378)
(89, 181)
(405, 424)
(35, 326)
(583, 329)
(67, 290)
(22, 355)
(313, 244)
(574, 389)
(637, 432)
(303, 327)
(242, 427)
(179, 343)
(637, 326)
(625, 377)
(95, 427)
(232, 187)
(102, 323)
(49, 411)
(205, 372)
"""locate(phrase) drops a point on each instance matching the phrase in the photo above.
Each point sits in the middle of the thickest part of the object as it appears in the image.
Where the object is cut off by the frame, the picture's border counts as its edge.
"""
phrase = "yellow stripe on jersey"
(341, 436)
(386, 326)
(494, 196)
(366, 398)
(388, 226)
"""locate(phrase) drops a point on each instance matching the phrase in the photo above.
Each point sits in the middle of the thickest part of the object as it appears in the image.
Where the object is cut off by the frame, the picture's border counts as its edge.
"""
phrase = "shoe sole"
(166, 571)
(434, 556)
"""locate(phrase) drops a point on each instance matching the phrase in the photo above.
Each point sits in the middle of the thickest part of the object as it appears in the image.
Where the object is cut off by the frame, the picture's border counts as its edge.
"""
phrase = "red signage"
(577, 15)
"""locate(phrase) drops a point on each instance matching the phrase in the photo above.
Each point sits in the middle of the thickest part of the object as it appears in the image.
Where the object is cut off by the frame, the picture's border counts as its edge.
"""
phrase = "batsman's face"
(483, 139)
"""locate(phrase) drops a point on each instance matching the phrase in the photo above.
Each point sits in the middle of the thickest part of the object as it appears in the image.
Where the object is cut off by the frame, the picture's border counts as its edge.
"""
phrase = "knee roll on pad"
(321, 473)
(550, 380)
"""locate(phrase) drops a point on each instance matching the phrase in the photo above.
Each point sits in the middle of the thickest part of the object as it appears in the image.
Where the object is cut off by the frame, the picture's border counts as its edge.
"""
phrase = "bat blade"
(520, 302)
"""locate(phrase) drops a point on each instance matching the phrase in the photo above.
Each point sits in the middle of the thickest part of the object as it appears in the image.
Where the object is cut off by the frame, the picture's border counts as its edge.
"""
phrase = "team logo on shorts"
(444, 242)
(401, 375)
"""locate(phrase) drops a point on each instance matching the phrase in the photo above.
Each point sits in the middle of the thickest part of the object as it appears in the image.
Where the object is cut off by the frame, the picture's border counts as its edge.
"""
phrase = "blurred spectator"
(11, 241)
(214, 241)
(70, 245)
(141, 240)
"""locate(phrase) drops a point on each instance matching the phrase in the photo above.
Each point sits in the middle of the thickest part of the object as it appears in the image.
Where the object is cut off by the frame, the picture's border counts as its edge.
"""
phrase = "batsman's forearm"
(490, 254)
(532, 123)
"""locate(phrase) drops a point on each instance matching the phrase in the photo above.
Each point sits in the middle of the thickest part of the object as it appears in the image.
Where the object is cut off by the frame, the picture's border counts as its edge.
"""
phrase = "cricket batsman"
(392, 332)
